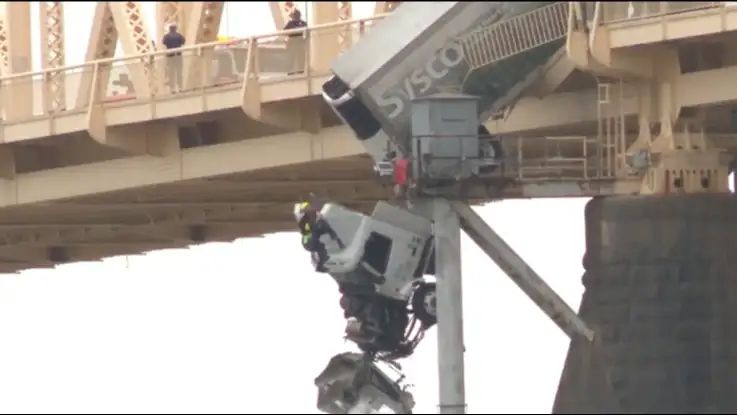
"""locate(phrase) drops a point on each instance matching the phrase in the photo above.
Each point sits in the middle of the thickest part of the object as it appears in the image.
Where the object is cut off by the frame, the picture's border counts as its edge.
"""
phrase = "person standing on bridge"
(296, 43)
(174, 40)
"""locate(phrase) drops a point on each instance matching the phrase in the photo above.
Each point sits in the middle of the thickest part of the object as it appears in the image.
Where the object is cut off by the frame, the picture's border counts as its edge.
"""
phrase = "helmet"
(300, 209)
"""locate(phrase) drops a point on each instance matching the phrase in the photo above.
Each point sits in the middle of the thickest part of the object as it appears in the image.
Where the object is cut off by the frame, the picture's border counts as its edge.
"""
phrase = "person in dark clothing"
(312, 228)
(295, 22)
(311, 242)
(174, 40)
(296, 42)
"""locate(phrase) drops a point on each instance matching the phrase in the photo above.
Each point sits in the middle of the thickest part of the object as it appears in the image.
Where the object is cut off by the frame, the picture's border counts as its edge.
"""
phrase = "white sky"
(246, 326)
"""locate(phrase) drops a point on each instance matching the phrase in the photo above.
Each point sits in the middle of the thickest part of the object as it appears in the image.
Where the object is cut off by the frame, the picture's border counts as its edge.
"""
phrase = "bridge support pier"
(661, 294)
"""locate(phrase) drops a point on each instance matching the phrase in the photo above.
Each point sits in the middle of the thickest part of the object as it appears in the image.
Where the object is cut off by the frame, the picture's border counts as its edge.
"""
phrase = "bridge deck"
(122, 165)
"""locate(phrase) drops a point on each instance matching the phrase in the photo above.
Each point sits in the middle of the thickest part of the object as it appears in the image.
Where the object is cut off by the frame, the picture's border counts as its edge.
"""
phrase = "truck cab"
(391, 247)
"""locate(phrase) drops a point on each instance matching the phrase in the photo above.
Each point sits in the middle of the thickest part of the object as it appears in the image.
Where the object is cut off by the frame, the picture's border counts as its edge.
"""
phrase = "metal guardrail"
(553, 158)
(278, 56)
(620, 11)
(516, 35)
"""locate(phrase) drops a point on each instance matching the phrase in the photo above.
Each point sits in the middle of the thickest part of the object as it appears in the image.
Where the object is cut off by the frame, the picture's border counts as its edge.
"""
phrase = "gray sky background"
(246, 326)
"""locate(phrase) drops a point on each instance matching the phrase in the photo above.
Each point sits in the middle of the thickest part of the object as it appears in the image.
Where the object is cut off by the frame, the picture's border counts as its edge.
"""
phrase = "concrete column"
(661, 294)
(450, 308)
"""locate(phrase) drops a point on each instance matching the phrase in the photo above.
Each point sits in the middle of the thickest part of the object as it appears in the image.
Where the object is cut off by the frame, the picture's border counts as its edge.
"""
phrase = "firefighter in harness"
(366, 313)
(312, 228)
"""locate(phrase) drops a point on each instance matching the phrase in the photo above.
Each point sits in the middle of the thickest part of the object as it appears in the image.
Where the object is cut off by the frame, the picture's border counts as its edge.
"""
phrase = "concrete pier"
(661, 296)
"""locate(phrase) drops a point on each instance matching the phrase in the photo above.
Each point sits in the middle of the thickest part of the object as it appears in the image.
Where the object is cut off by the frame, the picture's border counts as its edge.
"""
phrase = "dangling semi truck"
(489, 50)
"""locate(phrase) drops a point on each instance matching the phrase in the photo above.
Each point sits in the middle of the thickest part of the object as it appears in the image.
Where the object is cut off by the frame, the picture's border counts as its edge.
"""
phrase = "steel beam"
(4, 48)
(521, 273)
(325, 45)
(59, 235)
(135, 39)
(17, 43)
(195, 163)
(103, 35)
(16, 48)
(202, 27)
(345, 13)
(204, 22)
(101, 45)
(280, 13)
(449, 291)
(52, 54)
(168, 12)
(556, 111)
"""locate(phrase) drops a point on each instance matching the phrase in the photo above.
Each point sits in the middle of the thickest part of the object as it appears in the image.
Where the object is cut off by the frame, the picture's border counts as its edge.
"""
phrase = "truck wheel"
(424, 304)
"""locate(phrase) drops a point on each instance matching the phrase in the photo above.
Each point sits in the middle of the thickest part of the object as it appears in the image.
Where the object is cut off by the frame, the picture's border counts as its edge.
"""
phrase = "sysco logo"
(421, 79)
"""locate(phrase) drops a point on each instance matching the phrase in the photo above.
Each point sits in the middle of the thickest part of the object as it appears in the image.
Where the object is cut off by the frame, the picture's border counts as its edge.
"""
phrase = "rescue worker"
(311, 228)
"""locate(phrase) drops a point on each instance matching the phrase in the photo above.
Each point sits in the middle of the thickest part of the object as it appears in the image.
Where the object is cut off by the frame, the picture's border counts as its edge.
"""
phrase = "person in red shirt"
(401, 176)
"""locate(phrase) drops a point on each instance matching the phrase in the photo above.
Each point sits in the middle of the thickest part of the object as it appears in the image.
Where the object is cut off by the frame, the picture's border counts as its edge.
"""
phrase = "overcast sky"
(244, 327)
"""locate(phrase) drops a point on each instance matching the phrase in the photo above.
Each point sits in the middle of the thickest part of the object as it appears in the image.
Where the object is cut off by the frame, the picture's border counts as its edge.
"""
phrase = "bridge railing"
(282, 55)
(617, 11)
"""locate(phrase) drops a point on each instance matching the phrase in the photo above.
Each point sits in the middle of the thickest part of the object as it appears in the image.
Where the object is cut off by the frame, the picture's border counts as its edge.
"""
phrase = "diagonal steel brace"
(521, 273)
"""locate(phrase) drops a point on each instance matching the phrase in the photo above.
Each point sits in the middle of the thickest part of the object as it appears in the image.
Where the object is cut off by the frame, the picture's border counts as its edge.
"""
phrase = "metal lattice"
(4, 47)
(108, 37)
(140, 40)
(345, 37)
(203, 28)
(209, 21)
(134, 19)
(170, 12)
(52, 19)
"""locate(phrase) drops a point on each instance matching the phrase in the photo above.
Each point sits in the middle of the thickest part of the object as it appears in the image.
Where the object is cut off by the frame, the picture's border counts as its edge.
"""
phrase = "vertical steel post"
(449, 308)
